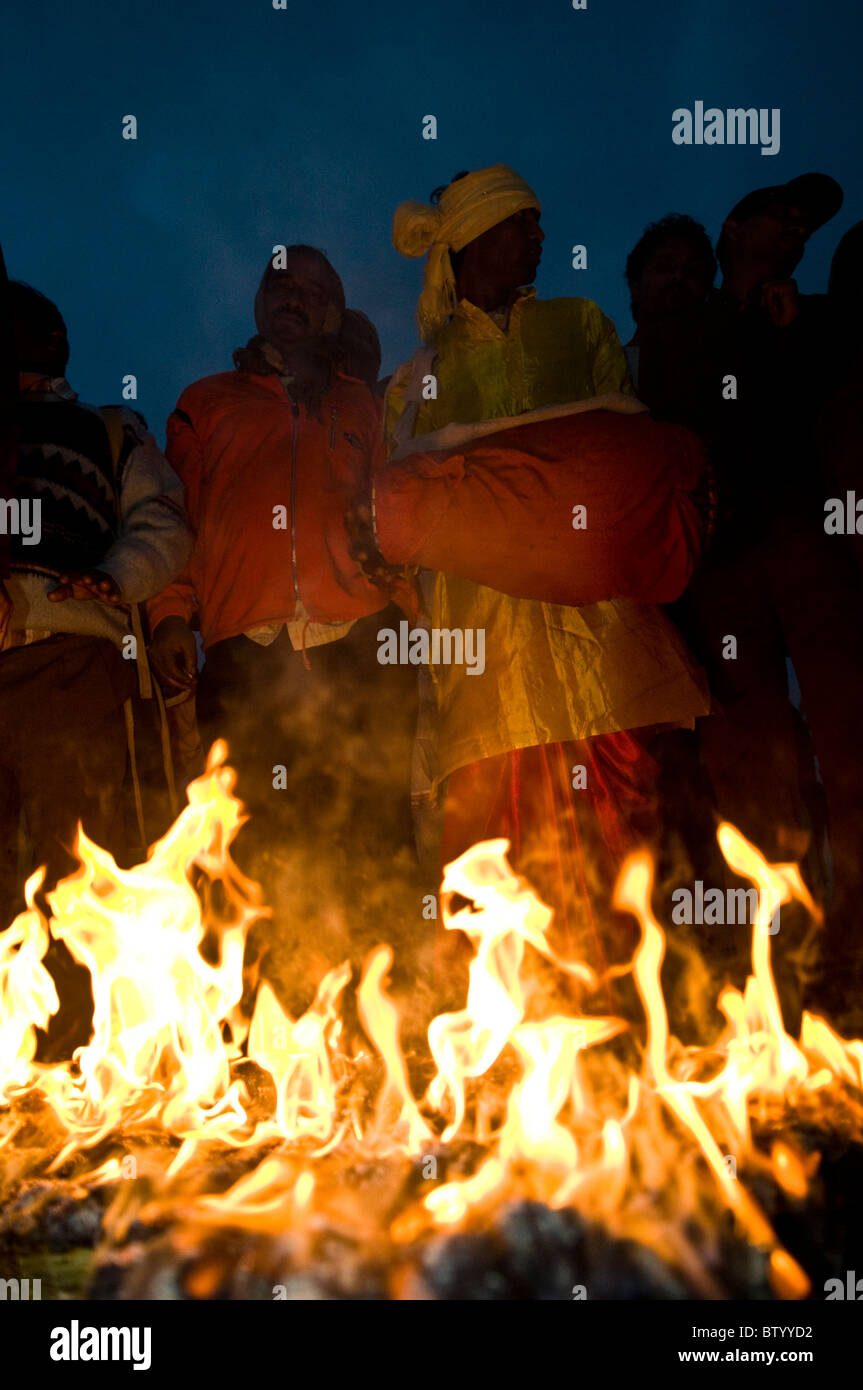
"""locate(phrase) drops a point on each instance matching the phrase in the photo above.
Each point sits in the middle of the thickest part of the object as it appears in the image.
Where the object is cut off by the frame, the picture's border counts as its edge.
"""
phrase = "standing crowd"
(235, 586)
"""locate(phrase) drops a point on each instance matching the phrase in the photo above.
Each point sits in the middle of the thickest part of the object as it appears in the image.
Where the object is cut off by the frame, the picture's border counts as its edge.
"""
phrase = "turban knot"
(467, 208)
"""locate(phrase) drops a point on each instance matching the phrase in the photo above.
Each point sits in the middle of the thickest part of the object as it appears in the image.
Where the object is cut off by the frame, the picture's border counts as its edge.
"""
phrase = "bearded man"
(273, 454)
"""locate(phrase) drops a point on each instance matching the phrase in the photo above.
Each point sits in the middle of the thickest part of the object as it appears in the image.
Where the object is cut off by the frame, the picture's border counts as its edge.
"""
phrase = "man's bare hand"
(174, 653)
(781, 300)
(363, 547)
(87, 584)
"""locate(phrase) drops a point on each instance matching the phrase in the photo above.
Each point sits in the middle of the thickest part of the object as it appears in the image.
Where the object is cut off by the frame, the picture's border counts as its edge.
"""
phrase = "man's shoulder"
(209, 388)
(70, 407)
(130, 419)
(568, 311)
(352, 388)
(817, 311)
(227, 388)
(403, 372)
(570, 305)
(84, 424)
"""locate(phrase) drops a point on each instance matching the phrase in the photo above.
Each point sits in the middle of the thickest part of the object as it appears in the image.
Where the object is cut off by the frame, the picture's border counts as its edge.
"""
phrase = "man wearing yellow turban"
(548, 745)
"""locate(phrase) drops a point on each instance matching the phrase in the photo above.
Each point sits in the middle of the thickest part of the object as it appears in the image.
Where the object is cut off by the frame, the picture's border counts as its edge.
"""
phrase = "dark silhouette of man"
(758, 370)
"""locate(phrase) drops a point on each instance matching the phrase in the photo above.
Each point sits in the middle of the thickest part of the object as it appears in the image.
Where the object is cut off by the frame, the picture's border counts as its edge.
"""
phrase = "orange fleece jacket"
(267, 489)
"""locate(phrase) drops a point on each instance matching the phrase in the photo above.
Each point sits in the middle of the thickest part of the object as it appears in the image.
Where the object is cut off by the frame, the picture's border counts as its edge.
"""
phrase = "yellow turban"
(467, 208)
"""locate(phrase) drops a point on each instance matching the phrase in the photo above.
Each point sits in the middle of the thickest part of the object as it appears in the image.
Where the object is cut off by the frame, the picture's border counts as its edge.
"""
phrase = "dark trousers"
(796, 594)
(320, 740)
(63, 759)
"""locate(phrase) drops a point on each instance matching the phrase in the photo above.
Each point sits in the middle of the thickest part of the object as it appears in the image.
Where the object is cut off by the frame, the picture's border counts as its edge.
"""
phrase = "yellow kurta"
(551, 673)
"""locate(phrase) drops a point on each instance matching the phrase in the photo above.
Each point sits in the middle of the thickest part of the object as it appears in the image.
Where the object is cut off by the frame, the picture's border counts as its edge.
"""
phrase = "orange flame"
(576, 1124)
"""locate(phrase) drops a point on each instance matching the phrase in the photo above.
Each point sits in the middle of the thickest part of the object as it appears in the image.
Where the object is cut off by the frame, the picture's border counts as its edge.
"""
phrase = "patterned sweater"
(65, 487)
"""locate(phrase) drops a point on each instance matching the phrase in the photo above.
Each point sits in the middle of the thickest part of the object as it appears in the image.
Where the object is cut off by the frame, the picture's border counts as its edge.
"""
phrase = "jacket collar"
(37, 384)
(476, 323)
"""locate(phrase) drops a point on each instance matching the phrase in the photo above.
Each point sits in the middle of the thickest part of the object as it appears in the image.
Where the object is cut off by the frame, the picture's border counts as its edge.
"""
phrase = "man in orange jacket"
(273, 455)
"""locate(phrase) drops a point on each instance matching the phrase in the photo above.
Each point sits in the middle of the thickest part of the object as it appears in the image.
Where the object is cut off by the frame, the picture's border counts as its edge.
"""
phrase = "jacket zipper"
(295, 410)
(334, 415)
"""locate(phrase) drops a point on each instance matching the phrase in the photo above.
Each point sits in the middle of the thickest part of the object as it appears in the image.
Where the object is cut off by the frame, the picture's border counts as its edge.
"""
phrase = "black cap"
(817, 195)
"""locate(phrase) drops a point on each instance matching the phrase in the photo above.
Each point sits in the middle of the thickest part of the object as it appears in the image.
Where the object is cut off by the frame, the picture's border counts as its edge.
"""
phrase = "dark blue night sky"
(258, 126)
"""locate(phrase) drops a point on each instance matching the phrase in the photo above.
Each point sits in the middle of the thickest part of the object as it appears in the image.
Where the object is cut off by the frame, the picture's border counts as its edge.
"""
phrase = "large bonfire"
(200, 1151)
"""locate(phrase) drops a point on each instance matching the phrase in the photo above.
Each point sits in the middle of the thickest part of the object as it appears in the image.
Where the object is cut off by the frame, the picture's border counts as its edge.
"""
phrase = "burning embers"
(240, 1149)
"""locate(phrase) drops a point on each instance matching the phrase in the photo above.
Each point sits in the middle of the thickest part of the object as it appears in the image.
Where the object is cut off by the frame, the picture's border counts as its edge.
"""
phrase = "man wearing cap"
(770, 338)
(548, 745)
(764, 237)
